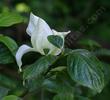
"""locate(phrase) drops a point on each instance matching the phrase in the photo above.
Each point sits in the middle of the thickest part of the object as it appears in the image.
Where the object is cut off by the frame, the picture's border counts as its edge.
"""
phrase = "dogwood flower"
(39, 30)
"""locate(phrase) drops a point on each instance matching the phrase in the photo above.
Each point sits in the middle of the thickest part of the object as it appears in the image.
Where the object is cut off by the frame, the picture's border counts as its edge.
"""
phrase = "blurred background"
(87, 19)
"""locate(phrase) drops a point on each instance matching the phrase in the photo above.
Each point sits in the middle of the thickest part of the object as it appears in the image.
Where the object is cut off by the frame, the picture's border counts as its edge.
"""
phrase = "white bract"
(39, 30)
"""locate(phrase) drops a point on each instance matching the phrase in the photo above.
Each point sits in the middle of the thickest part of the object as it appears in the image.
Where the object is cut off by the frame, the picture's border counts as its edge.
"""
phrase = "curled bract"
(39, 31)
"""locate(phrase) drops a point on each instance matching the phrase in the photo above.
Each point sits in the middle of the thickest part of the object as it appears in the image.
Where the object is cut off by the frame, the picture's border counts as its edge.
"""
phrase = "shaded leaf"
(39, 67)
(11, 97)
(59, 82)
(64, 96)
(8, 82)
(102, 52)
(5, 55)
(56, 40)
(34, 83)
(90, 43)
(3, 92)
(86, 69)
(81, 98)
(33, 74)
(106, 70)
(10, 18)
(9, 43)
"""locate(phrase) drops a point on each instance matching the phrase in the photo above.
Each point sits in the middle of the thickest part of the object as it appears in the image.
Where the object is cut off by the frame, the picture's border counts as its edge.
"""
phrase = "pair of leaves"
(86, 70)
(8, 19)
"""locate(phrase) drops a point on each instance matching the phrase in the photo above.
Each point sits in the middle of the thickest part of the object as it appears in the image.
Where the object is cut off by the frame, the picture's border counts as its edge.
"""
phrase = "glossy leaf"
(9, 43)
(39, 67)
(5, 55)
(86, 70)
(56, 40)
(10, 18)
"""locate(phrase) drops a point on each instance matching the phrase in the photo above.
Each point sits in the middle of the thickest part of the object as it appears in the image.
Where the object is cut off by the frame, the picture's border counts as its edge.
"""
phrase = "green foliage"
(7, 81)
(5, 55)
(75, 74)
(8, 48)
(40, 67)
(11, 97)
(91, 44)
(33, 74)
(56, 40)
(3, 92)
(86, 69)
(9, 43)
(102, 52)
(64, 96)
(83, 67)
(10, 18)
(59, 82)
(82, 98)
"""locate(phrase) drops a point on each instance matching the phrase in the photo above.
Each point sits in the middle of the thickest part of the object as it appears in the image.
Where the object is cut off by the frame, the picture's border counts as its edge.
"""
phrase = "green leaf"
(3, 92)
(5, 55)
(34, 83)
(67, 51)
(11, 97)
(59, 82)
(46, 50)
(86, 70)
(89, 43)
(102, 52)
(81, 98)
(64, 96)
(39, 68)
(58, 69)
(8, 82)
(33, 74)
(56, 40)
(9, 43)
(10, 18)
(106, 70)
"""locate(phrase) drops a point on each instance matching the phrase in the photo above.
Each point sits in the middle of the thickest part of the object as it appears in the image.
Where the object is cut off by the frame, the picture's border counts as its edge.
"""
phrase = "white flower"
(39, 30)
